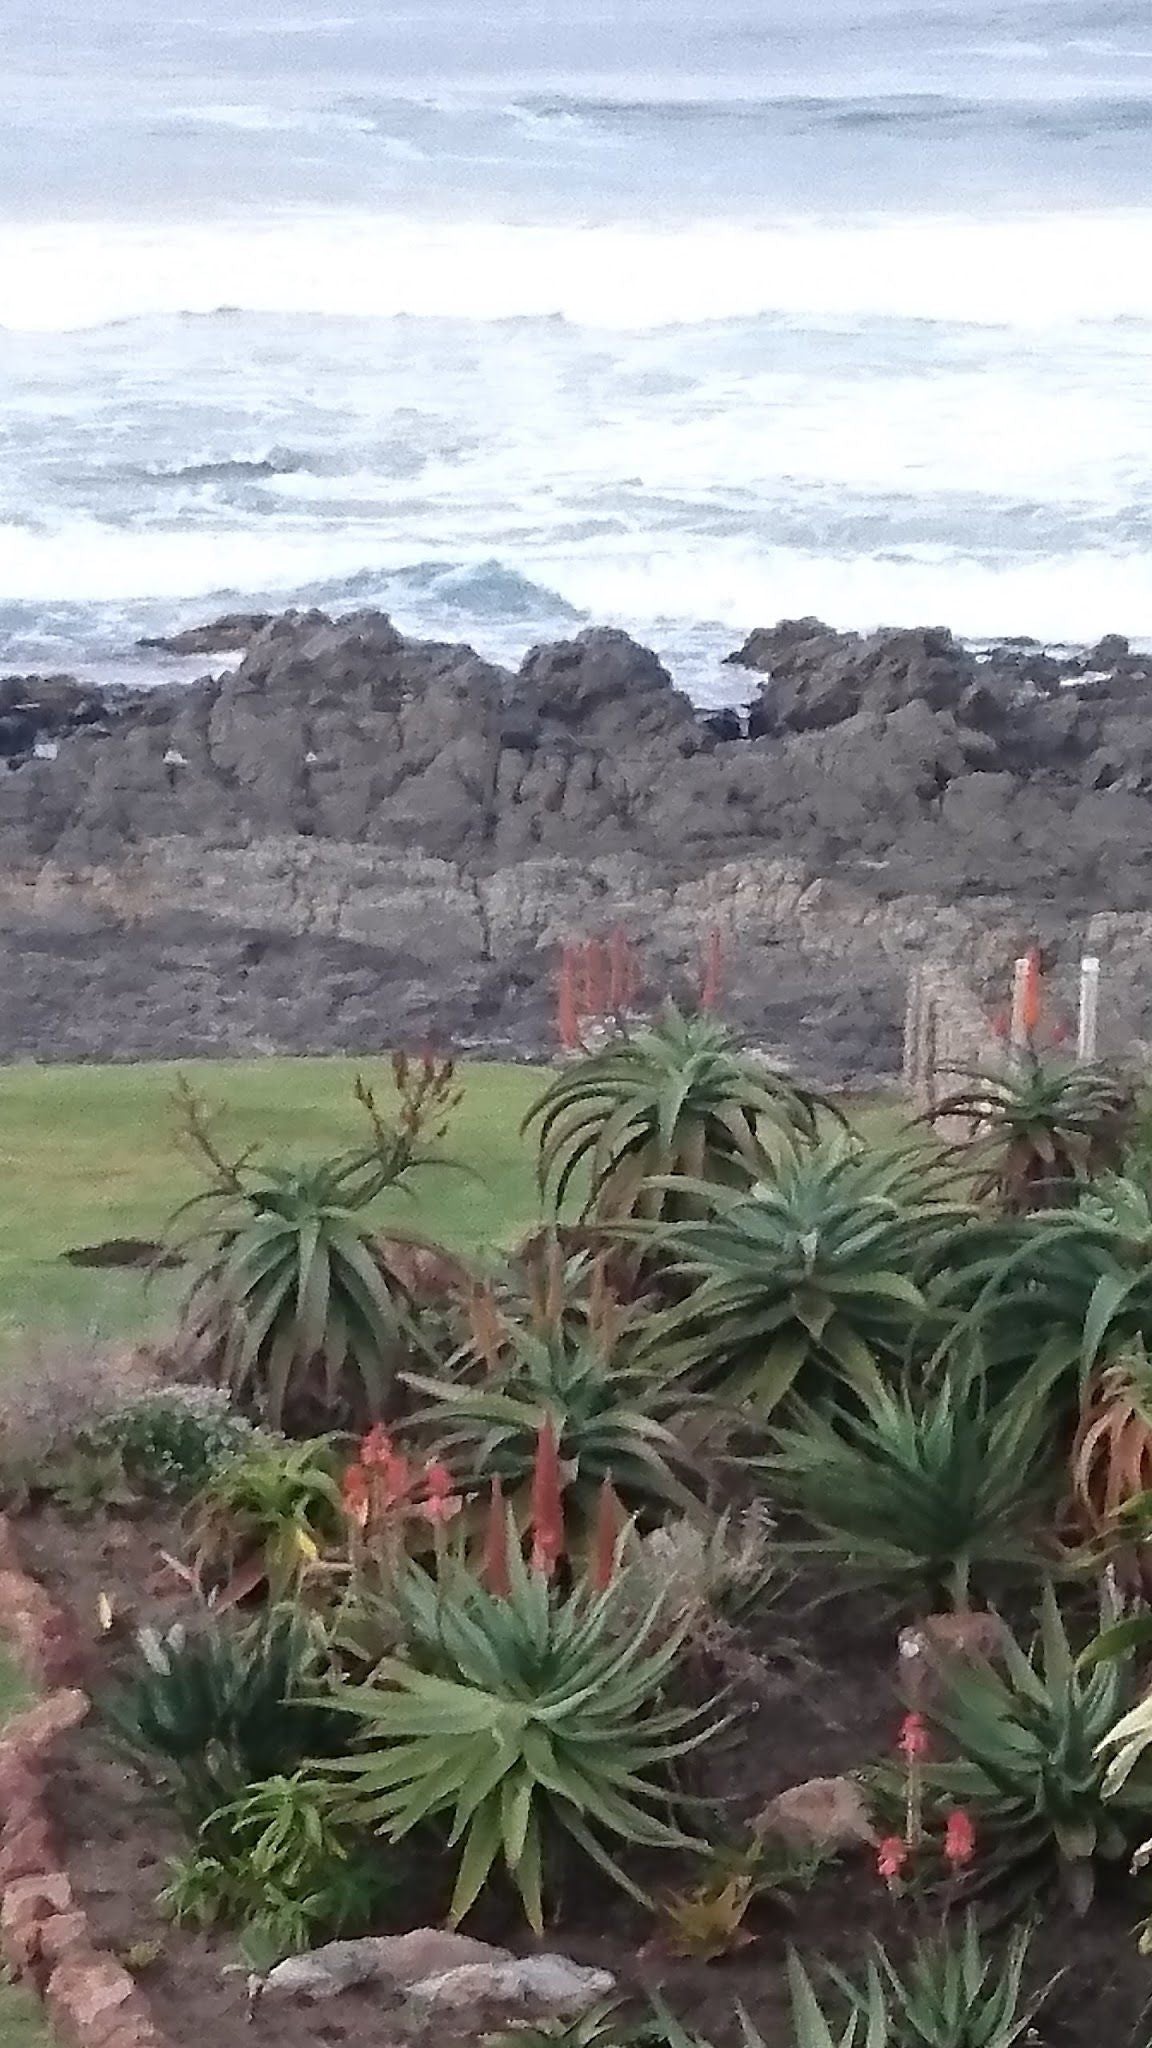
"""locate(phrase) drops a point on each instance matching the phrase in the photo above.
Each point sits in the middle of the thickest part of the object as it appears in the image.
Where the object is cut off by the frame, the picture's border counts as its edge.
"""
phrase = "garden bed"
(823, 1700)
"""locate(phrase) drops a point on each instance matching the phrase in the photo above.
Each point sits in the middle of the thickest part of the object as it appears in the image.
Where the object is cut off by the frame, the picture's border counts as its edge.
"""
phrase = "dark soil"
(818, 1687)
(122, 1251)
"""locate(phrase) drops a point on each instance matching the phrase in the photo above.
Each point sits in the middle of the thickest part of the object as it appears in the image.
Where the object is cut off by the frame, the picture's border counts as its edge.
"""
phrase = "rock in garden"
(927, 1649)
(537, 1986)
(823, 1813)
(399, 1959)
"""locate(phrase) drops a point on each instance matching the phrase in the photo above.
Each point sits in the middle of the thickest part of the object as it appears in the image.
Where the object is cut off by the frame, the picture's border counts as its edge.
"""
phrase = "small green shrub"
(211, 1711)
(603, 2027)
(277, 1864)
(264, 1514)
(55, 1399)
(530, 1719)
(939, 1489)
(171, 1440)
(704, 1572)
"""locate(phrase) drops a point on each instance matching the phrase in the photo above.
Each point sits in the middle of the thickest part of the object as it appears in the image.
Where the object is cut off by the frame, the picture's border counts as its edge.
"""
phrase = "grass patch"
(90, 1153)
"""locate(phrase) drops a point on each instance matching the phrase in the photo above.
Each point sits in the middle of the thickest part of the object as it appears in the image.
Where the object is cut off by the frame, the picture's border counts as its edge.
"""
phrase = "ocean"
(515, 317)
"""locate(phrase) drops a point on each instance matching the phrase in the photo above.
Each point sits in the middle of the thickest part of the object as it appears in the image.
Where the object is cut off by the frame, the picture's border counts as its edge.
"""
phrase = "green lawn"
(89, 1153)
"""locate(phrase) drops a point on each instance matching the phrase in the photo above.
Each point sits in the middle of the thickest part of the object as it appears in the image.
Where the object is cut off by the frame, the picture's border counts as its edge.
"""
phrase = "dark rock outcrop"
(232, 633)
(355, 837)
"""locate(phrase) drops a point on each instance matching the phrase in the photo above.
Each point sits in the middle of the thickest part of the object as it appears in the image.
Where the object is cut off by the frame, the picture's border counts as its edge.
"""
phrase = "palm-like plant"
(1042, 1128)
(805, 1281)
(523, 1718)
(1029, 1764)
(933, 1487)
(680, 1097)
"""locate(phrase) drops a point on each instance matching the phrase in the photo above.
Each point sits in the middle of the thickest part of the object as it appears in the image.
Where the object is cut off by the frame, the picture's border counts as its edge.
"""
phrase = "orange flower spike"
(1030, 1004)
(598, 984)
(547, 1502)
(494, 1569)
(620, 973)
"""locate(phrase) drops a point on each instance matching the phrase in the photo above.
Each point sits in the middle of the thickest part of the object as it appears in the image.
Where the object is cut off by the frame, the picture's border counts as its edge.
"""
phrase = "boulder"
(524, 1988)
(400, 1959)
(821, 1814)
(431, 1972)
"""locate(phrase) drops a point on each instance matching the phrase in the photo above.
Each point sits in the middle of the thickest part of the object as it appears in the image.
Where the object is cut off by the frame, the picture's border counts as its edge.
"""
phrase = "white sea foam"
(1073, 596)
(1031, 271)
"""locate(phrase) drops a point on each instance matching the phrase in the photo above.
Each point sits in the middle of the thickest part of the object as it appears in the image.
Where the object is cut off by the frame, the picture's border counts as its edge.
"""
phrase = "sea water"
(519, 315)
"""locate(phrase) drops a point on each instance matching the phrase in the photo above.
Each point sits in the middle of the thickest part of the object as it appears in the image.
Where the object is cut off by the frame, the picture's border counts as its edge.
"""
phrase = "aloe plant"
(935, 1487)
(951, 1993)
(613, 1421)
(680, 1097)
(1029, 1741)
(805, 1281)
(1042, 1128)
(519, 1718)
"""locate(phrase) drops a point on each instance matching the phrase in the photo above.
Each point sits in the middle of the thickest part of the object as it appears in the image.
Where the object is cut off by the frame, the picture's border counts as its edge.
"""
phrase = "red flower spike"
(494, 1569)
(397, 1480)
(959, 1839)
(568, 1002)
(914, 1741)
(547, 1502)
(891, 1856)
(609, 1521)
(598, 979)
(376, 1449)
(441, 1503)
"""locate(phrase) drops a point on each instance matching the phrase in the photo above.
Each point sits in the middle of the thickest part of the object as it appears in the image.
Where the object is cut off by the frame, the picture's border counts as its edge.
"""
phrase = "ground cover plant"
(549, 1603)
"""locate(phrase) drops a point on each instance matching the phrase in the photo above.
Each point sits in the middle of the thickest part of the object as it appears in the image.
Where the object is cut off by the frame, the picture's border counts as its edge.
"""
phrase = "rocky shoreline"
(352, 838)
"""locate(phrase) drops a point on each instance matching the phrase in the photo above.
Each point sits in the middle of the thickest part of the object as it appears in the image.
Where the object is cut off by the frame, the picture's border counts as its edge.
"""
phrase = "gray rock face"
(355, 838)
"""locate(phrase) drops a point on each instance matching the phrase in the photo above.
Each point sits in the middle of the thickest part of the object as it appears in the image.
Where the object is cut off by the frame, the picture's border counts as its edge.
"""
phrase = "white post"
(1021, 981)
(1089, 1007)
